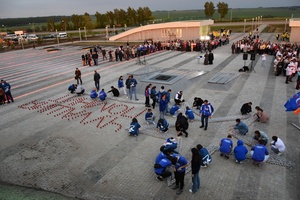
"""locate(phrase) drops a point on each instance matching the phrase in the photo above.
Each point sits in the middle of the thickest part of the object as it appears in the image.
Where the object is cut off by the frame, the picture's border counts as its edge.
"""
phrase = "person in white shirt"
(79, 90)
(277, 145)
(289, 72)
(263, 59)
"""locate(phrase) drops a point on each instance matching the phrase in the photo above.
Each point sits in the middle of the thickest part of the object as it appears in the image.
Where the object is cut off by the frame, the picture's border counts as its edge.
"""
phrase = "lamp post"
(285, 25)
(245, 25)
(85, 33)
(79, 34)
(106, 30)
(57, 37)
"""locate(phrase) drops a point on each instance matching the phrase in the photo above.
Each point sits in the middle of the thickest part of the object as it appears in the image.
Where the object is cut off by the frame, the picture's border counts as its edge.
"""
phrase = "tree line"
(116, 18)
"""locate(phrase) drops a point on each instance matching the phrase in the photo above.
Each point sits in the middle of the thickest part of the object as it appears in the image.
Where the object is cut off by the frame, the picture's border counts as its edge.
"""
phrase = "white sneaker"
(279, 153)
(191, 191)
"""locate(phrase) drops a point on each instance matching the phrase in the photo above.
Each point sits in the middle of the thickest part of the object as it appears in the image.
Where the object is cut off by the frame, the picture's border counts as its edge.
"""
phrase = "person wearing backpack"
(206, 112)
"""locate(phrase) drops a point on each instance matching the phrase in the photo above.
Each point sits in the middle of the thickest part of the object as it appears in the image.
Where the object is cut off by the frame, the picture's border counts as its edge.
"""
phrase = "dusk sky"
(35, 8)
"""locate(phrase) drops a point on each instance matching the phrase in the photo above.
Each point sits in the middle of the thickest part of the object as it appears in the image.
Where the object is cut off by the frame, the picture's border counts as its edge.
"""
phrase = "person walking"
(78, 76)
(97, 80)
(195, 165)
(6, 87)
(121, 85)
(206, 112)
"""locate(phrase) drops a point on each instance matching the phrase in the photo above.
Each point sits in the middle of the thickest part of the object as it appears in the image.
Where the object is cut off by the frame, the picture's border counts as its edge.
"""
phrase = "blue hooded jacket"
(206, 157)
(102, 95)
(226, 145)
(189, 113)
(259, 152)
(162, 126)
(93, 94)
(240, 151)
(206, 109)
(173, 109)
(164, 163)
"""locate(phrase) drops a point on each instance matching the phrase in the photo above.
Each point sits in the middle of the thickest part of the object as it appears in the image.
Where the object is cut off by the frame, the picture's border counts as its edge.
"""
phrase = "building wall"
(295, 30)
(190, 30)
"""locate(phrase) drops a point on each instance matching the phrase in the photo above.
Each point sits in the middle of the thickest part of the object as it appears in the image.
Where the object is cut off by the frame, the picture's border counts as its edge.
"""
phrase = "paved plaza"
(77, 147)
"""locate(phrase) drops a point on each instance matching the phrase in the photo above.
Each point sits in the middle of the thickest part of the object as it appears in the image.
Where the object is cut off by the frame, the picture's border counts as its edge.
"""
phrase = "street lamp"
(285, 25)
(85, 33)
(106, 30)
(245, 25)
(79, 34)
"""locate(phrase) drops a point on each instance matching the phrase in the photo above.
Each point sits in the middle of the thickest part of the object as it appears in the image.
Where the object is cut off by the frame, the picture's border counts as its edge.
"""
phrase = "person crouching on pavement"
(102, 95)
(94, 93)
(79, 89)
(134, 127)
(115, 92)
(72, 88)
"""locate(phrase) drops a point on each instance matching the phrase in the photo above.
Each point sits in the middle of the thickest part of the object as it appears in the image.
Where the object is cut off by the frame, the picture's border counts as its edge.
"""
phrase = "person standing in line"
(163, 106)
(83, 60)
(210, 58)
(97, 80)
(206, 112)
(121, 85)
(180, 163)
(240, 152)
(147, 95)
(133, 83)
(168, 98)
(78, 76)
(127, 83)
(153, 96)
(277, 145)
(195, 165)
(6, 87)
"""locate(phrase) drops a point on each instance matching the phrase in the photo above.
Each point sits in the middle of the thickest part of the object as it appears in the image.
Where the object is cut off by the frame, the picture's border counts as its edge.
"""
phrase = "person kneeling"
(72, 88)
(102, 95)
(79, 90)
(134, 127)
(259, 153)
(160, 169)
(162, 125)
(94, 94)
(115, 92)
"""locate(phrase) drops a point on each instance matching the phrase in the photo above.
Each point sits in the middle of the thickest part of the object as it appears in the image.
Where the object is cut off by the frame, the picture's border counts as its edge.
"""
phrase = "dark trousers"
(2, 100)
(165, 174)
(179, 178)
(9, 96)
(204, 121)
(153, 102)
(97, 85)
(147, 102)
(79, 79)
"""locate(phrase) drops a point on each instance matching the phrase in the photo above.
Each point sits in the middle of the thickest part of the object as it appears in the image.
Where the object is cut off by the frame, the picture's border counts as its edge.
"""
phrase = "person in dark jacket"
(181, 125)
(180, 163)
(72, 88)
(195, 165)
(206, 157)
(246, 108)
(114, 91)
(240, 152)
(210, 58)
(206, 59)
(197, 103)
(78, 76)
(162, 125)
(6, 87)
(97, 80)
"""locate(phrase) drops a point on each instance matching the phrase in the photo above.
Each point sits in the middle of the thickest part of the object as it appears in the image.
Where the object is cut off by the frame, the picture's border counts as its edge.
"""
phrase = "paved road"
(61, 143)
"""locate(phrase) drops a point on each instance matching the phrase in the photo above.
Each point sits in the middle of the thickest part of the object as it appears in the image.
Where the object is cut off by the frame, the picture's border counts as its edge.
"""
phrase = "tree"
(209, 9)
(101, 20)
(131, 16)
(88, 24)
(50, 25)
(222, 9)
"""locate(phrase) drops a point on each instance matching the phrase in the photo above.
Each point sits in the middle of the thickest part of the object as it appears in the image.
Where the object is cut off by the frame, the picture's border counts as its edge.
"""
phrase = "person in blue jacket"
(161, 155)
(102, 95)
(72, 88)
(134, 127)
(121, 85)
(259, 153)
(226, 146)
(163, 103)
(240, 152)
(6, 87)
(150, 117)
(241, 127)
(206, 157)
(180, 163)
(173, 110)
(206, 112)
(160, 168)
(162, 125)
(189, 113)
(170, 145)
(94, 93)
